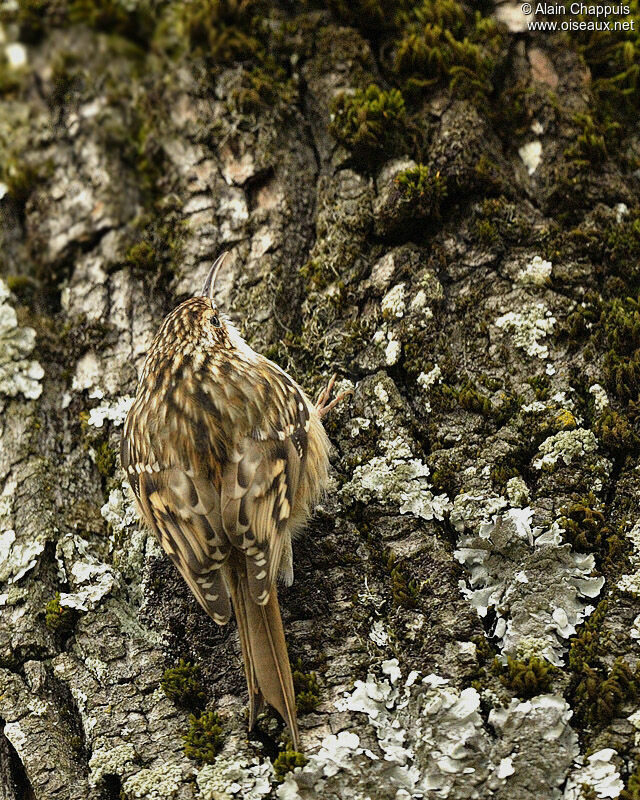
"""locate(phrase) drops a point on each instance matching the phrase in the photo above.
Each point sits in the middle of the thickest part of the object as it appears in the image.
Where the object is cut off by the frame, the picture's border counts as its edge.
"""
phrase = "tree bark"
(463, 251)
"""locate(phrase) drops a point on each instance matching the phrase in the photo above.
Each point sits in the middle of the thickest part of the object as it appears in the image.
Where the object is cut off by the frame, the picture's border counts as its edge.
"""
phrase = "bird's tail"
(264, 650)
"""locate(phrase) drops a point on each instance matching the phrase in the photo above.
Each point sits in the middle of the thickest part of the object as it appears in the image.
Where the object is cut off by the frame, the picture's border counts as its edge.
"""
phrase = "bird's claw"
(322, 406)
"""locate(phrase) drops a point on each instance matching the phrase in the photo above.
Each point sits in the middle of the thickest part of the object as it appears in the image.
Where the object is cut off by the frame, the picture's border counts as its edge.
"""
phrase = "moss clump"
(442, 45)
(158, 243)
(619, 326)
(422, 190)
(34, 17)
(497, 221)
(599, 699)
(613, 57)
(540, 385)
(588, 643)
(263, 91)
(21, 178)
(632, 789)
(369, 122)
(105, 460)
(181, 684)
(590, 146)
(204, 737)
(405, 591)
(57, 617)
(287, 761)
(525, 678)
(584, 524)
(306, 688)
(220, 30)
(617, 435)
(471, 399)
(134, 21)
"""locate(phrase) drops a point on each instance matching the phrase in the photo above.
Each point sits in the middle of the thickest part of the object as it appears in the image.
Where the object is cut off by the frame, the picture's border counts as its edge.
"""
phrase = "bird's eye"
(215, 321)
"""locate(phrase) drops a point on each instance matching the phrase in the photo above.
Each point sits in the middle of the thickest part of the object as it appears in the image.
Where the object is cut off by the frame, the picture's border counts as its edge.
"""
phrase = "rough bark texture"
(442, 209)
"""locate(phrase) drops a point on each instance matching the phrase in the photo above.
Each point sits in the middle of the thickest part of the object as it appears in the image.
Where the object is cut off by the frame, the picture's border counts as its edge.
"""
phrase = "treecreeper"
(226, 457)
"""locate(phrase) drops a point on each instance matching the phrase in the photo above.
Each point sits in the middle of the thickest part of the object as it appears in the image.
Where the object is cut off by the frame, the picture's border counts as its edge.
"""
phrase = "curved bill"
(210, 284)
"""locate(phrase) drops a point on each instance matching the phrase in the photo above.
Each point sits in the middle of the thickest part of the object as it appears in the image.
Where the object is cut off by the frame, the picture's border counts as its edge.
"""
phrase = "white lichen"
(567, 446)
(537, 587)
(531, 155)
(428, 379)
(90, 580)
(89, 371)
(237, 777)
(392, 352)
(393, 303)
(400, 482)
(517, 492)
(469, 510)
(599, 776)
(114, 411)
(528, 327)
(16, 55)
(18, 373)
(631, 581)
(159, 783)
(428, 739)
(17, 557)
(536, 273)
(110, 761)
(600, 397)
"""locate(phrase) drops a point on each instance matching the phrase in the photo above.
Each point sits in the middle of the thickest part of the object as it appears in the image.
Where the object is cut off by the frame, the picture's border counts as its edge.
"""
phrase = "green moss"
(471, 399)
(600, 699)
(525, 678)
(158, 243)
(422, 190)
(220, 30)
(12, 79)
(584, 524)
(632, 789)
(497, 220)
(619, 327)
(204, 737)
(588, 643)
(369, 122)
(445, 473)
(616, 434)
(21, 178)
(135, 21)
(442, 44)
(590, 146)
(34, 17)
(105, 460)
(613, 57)
(598, 693)
(405, 591)
(287, 761)
(181, 684)
(263, 91)
(57, 617)
(306, 688)
(540, 385)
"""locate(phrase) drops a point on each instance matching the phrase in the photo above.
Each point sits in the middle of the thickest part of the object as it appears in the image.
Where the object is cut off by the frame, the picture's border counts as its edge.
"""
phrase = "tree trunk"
(441, 208)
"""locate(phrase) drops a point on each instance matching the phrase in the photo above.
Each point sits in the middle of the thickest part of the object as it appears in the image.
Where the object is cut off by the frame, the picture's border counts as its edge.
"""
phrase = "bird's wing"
(260, 479)
(183, 510)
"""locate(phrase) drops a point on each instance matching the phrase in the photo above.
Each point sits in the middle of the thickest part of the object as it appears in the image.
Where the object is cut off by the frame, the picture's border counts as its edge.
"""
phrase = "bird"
(226, 457)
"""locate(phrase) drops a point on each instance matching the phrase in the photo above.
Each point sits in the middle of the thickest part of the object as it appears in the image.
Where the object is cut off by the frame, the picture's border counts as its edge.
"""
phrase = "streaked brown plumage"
(226, 455)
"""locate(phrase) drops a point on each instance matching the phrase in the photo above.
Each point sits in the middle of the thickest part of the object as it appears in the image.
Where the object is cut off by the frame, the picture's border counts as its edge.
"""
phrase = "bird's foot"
(323, 407)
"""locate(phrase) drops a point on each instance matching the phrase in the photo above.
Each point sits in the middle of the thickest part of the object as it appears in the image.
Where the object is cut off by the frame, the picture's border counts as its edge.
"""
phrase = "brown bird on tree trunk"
(226, 457)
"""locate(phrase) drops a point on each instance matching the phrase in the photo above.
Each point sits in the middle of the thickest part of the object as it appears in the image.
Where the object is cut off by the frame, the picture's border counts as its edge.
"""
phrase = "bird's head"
(197, 323)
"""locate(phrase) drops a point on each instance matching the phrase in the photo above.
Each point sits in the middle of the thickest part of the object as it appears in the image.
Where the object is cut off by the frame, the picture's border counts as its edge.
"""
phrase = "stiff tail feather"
(264, 650)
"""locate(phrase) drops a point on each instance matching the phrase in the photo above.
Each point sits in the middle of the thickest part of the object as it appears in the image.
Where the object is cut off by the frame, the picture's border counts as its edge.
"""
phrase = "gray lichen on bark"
(450, 222)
